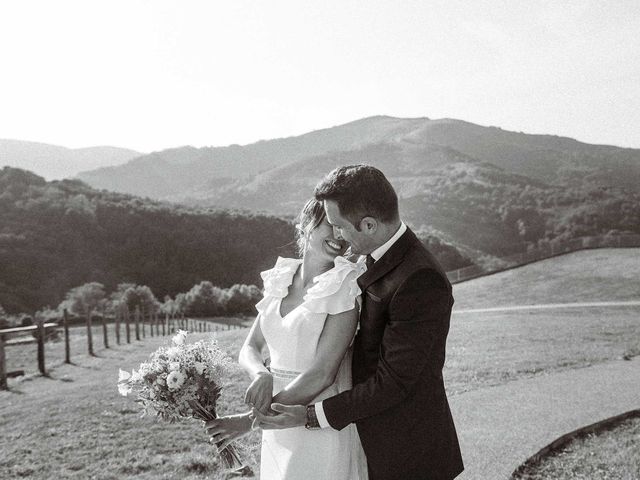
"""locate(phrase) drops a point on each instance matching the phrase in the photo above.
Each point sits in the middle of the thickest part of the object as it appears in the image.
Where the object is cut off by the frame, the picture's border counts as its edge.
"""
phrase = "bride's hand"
(259, 393)
(224, 430)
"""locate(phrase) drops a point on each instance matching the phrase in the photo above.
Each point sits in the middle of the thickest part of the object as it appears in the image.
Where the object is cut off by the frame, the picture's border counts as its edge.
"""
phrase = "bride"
(307, 321)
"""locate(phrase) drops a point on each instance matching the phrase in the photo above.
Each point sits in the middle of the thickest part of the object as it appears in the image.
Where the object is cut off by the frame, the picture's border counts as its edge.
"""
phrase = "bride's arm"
(336, 336)
(226, 429)
(259, 393)
(250, 357)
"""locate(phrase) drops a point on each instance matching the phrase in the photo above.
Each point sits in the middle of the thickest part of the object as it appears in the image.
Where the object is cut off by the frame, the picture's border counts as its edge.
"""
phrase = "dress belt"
(280, 373)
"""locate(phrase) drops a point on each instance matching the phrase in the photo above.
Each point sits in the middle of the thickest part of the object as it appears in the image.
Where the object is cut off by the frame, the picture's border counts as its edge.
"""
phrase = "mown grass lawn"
(612, 455)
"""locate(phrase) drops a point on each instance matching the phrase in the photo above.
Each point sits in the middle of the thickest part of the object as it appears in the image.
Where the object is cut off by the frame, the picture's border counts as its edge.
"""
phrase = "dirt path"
(500, 427)
(546, 306)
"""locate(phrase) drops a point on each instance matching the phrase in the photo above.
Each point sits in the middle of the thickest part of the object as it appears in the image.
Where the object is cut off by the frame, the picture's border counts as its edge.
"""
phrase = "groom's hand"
(286, 416)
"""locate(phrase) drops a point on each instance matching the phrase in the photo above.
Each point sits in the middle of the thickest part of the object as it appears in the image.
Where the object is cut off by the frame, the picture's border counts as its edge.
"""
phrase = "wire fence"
(547, 251)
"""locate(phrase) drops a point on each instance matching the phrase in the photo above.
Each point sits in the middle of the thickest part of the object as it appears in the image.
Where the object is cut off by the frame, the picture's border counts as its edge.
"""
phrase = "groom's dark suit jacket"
(398, 399)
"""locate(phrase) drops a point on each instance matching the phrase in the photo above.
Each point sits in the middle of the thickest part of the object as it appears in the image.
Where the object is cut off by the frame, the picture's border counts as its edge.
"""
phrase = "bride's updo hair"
(310, 217)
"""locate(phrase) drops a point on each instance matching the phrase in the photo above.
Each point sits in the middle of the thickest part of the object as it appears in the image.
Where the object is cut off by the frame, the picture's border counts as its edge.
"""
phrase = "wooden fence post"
(67, 348)
(141, 318)
(127, 327)
(3, 368)
(105, 339)
(89, 333)
(137, 322)
(39, 323)
(118, 313)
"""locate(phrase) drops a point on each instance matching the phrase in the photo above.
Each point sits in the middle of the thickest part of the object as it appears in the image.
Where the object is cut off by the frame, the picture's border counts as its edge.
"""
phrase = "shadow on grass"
(13, 389)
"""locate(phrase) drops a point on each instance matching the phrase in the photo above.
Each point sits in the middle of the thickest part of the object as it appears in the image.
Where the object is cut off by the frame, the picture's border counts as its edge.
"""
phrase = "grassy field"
(612, 455)
(584, 276)
(492, 348)
(73, 424)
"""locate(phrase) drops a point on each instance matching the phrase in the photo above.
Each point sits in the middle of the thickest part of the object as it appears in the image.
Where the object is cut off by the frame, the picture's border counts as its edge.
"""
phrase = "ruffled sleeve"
(335, 291)
(277, 281)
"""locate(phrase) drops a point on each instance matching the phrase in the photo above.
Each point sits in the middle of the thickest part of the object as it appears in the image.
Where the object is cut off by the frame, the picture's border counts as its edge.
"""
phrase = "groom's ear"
(368, 225)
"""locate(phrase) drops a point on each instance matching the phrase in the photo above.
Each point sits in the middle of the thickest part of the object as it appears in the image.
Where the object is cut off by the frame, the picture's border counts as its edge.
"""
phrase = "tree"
(205, 299)
(139, 296)
(242, 298)
(85, 300)
(180, 304)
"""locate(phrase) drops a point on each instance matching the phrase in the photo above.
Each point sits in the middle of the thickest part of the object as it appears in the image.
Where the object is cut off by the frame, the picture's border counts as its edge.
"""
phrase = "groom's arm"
(419, 313)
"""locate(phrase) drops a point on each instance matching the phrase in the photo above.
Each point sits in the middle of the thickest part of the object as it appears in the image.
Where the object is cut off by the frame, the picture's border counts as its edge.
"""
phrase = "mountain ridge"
(550, 158)
(55, 162)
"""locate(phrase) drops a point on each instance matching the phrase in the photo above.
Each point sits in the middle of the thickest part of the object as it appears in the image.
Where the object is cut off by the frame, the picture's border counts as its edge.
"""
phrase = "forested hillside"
(61, 234)
(477, 207)
(487, 191)
(55, 236)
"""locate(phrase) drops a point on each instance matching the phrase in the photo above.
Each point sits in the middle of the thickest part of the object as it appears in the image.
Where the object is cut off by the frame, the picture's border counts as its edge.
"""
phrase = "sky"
(150, 75)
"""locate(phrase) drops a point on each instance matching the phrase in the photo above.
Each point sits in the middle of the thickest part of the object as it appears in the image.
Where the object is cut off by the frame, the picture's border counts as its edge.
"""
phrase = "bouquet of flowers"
(181, 381)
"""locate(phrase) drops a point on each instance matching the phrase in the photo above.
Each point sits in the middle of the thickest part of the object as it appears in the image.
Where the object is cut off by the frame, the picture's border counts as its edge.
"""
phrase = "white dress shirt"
(377, 255)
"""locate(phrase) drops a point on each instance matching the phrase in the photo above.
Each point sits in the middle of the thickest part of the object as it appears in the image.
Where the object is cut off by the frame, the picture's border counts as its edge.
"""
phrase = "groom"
(398, 400)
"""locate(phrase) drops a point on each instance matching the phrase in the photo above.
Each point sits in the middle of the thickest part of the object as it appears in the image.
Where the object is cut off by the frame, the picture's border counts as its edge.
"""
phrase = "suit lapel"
(389, 260)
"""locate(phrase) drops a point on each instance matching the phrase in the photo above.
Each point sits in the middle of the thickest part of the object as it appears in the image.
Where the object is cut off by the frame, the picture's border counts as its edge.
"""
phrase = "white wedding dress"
(298, 453)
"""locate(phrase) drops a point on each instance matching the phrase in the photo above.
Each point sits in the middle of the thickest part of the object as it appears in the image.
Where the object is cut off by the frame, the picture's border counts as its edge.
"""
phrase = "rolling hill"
(485, 190)
(54, 162)
(601, 275)
(419, 143)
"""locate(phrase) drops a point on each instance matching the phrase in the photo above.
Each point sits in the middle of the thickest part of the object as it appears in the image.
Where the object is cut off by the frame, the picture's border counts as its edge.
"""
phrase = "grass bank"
(613, 454)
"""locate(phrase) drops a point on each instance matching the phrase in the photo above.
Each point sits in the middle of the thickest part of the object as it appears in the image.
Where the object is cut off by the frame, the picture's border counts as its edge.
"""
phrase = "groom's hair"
(359, 191)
